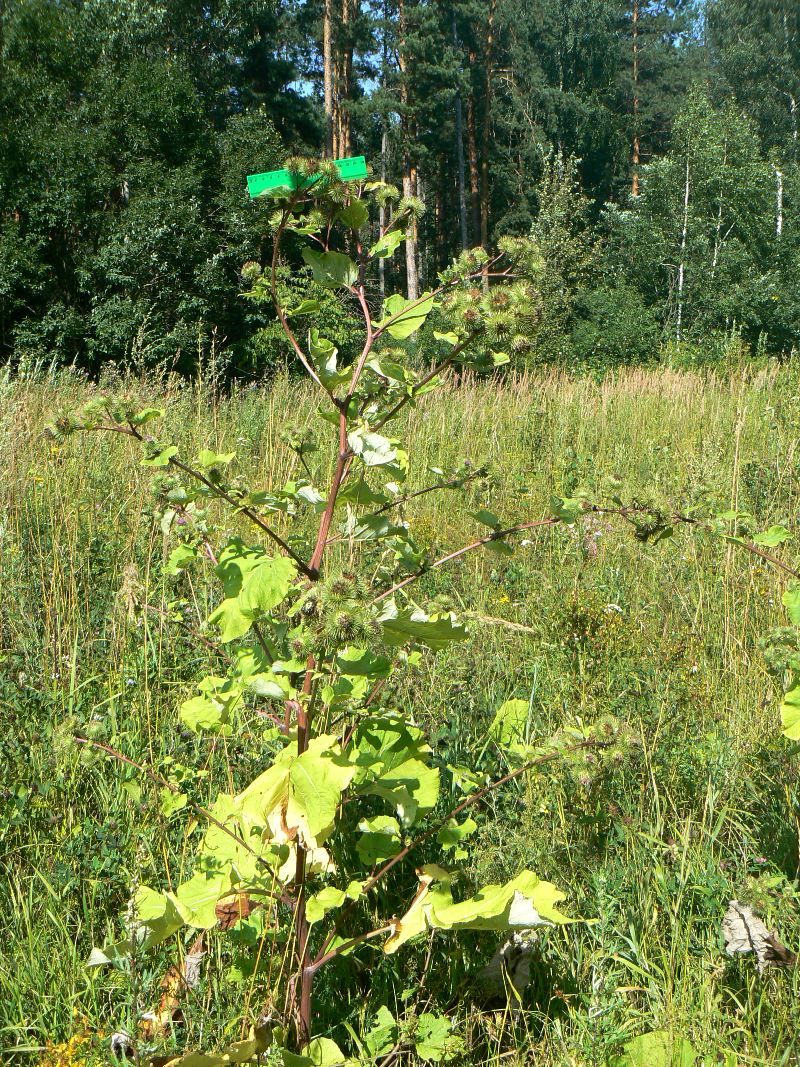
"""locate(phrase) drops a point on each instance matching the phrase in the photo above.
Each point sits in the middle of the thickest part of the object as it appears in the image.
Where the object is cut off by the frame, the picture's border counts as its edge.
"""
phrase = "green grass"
(666, 637)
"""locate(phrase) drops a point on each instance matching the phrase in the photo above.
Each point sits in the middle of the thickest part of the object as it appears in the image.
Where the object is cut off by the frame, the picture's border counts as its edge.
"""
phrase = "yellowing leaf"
(300, 794)
(160, 914)
(434, 886)
(160, 457)
(239, 1052)
(790, 713)
(204, 713)
(321, 1052)
(522, 903)
(199, 896)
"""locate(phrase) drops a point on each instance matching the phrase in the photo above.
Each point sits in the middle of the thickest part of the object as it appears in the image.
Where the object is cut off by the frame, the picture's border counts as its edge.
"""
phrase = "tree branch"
(164, 783)
(218, 491)
(496, 535)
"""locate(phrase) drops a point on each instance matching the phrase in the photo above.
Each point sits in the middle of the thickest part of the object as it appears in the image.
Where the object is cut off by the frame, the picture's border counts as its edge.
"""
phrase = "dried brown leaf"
(744, 932)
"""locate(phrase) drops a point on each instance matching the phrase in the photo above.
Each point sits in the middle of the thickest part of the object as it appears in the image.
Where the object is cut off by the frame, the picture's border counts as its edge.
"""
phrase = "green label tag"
(353, 169)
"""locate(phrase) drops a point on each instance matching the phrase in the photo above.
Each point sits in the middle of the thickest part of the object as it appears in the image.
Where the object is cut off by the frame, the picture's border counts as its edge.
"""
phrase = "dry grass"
(665, 636)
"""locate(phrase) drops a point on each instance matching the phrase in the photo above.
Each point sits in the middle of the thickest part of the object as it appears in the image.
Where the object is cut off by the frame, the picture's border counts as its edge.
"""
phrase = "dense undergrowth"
(581, 622)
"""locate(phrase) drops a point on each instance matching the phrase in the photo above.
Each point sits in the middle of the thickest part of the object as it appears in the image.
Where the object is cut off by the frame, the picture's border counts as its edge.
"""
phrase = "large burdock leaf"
(510, 722)
(374, 449)
(321, 1052)
(386, 246)
(254, 584)
(239, 1052)
(522, 903)
(158, 916)
(403, 317)
(434, 887)
(790, 713)
(159, 912)
(379, 841)
(199, 896)
(299, 795)
(393, 762)
(331, 269)
(251, 845)
(402, 625)
(659, 1048)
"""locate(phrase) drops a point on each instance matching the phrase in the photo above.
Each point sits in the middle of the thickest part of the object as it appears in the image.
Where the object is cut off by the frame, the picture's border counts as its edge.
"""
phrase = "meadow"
(581, 621)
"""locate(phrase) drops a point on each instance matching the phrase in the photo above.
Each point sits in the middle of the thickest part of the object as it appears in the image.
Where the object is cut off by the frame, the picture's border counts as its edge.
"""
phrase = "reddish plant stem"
(768, 556)
(362, 359)
(306, 972)
(687, 520)
(279, 308)
(346, 946)
(302, 1004)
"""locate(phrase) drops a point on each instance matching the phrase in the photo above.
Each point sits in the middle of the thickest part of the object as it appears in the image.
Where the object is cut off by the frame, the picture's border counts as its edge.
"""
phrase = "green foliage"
(350, 786)
(654, 848)
(614, 326)
(656, 1049)
(124, 217)
(704, 245)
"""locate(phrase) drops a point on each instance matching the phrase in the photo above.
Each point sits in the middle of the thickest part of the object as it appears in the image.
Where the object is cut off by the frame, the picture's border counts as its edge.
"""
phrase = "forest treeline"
(650, 148)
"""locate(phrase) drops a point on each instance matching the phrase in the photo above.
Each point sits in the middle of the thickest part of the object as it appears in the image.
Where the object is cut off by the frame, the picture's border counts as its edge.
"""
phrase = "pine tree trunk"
(419, 191)
(412, 274)
(635, 107)
(472, 148)
(462, 193)
(327, 75)
(345, 84)
(409, 168)
(441, 200)
(487, 129)
(382, 213)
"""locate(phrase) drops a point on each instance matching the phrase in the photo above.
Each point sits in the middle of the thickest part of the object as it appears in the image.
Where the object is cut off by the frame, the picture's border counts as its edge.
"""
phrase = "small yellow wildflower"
(70, 1053)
